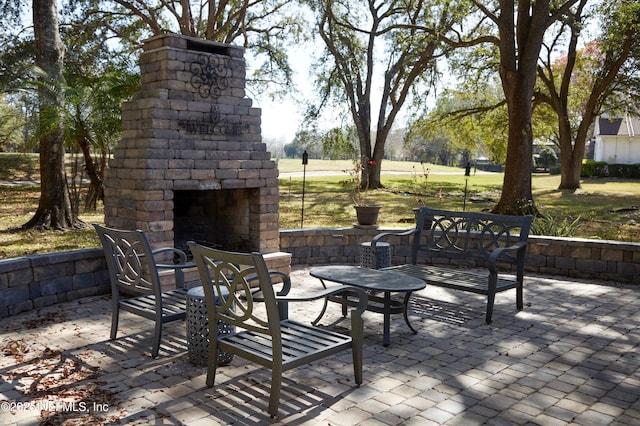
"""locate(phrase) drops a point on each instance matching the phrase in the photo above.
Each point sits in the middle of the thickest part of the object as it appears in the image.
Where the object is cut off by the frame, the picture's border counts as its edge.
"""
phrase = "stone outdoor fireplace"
(191, 164)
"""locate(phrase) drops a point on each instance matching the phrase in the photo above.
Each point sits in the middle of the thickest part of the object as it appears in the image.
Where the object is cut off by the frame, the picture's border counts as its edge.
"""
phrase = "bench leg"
(490, 301)
(491, 298)
(519, 298)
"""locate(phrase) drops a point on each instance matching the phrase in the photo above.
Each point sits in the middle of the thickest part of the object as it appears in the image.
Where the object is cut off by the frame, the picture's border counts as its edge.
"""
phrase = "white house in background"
(617, 140)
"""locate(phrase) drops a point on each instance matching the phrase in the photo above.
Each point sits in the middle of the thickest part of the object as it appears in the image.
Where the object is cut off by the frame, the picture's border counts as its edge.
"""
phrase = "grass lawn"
(605, 208)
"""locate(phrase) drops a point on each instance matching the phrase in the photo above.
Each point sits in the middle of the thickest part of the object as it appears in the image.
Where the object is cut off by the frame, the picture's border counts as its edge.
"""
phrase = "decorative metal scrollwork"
(210, 75)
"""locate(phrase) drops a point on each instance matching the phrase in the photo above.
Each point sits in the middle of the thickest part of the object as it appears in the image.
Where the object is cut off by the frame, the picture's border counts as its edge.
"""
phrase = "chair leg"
(212, 358)
(115, 316)
(519, 298)
(276, 384)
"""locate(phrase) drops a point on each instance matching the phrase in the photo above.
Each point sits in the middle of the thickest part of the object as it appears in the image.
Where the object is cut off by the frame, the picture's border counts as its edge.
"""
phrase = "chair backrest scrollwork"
(229, 296)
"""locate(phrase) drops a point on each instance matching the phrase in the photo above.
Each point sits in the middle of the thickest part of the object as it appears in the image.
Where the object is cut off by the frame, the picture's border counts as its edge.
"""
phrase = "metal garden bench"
(445, 245)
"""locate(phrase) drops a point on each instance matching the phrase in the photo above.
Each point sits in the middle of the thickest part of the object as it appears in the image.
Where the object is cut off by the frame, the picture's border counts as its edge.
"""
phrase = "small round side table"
(368, 258)
(198, 329)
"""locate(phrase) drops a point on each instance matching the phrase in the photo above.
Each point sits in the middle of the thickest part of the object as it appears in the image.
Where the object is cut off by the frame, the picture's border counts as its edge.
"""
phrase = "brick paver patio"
(571, 357)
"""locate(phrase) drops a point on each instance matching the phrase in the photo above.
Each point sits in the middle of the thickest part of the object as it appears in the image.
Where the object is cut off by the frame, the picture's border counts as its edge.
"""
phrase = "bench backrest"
(466, 235)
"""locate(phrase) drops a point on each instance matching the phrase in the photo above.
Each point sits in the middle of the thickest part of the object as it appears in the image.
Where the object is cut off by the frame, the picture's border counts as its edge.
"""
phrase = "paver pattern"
(571, 357)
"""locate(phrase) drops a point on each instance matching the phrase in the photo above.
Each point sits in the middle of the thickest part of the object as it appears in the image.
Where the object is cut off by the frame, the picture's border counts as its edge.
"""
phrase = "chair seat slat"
(310, 333)
(294, 345)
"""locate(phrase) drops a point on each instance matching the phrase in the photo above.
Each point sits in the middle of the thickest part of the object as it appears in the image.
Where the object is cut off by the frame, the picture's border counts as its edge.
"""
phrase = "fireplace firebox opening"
(216, 218)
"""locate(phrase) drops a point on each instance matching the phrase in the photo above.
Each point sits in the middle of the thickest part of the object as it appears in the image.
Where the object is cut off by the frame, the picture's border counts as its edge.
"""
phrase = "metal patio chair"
(265, 335)
(135, 282)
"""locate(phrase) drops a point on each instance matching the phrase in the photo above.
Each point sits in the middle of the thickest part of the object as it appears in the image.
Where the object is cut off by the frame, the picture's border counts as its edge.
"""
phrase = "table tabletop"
(371, 279)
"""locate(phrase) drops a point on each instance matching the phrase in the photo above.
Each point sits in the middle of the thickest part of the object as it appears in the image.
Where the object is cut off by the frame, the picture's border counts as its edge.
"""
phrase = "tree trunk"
(572, 152)
(520, 43)
(95, 173)
(571, 156)
(517, 198)
(54, 209)
(573, 146)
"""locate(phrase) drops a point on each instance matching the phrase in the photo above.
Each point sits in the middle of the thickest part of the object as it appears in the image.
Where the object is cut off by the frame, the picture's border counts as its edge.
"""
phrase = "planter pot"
(367, 215)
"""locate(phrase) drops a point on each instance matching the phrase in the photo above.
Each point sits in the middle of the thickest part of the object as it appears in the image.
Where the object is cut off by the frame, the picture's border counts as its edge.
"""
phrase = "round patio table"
(374, 281)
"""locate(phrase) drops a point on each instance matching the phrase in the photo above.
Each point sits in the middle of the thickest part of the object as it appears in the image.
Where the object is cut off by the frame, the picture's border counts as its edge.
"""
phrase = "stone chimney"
(191, 164)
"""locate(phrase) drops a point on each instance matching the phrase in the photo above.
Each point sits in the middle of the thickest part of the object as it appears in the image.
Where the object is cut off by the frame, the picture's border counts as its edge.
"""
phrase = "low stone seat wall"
(39, 280)
(571, 257)
(35, 281)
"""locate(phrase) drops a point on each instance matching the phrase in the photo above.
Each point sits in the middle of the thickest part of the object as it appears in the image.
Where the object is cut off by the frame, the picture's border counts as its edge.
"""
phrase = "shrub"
(592, 168)
(555, 170)
(547, 158)
(624, 170)
(555, 226)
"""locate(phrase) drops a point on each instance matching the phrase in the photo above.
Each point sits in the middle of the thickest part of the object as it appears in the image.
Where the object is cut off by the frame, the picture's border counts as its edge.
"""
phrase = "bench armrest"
(378, 237)
(503, 253)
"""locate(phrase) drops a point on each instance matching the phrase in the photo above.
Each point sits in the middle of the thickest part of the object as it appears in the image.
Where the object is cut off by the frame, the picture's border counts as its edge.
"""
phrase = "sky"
(280, 119)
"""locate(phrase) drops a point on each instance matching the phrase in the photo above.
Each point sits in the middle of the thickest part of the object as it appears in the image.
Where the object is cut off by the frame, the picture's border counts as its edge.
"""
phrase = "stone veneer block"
(203, 174)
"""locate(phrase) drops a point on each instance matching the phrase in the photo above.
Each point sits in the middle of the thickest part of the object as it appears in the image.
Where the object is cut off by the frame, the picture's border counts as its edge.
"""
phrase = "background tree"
(94, 28)
(473, 118)
(94, 120)
(99, 79)
(11, 125)
(506, 37)
(305, 140)
(54, 208)
(433, 147)
(340, 144)
(265, 27)
(17, 73)
(376, 53)
(582, 84)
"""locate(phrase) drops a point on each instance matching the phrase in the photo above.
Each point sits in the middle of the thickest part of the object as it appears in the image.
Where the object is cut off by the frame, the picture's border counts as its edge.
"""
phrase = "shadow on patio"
(570, 357)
